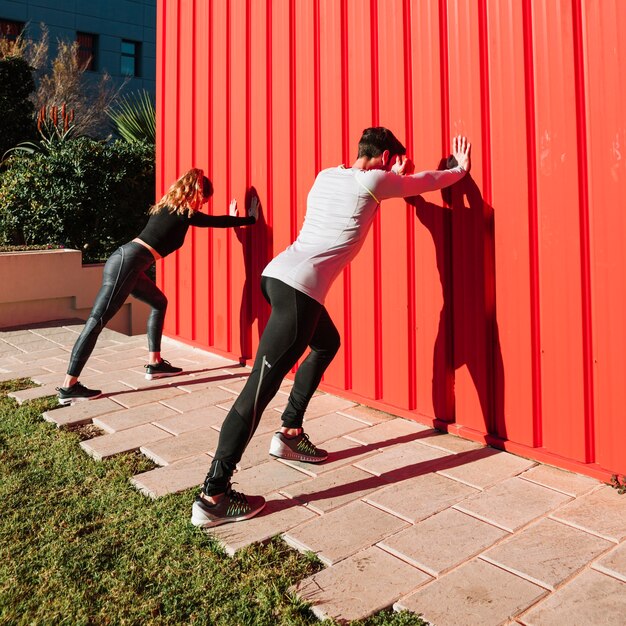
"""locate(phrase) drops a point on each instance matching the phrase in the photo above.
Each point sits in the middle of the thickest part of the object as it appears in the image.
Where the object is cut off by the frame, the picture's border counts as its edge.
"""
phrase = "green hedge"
(77, 193)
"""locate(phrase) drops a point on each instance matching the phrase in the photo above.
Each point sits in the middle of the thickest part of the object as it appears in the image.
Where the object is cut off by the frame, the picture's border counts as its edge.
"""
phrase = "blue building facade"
(115, 36)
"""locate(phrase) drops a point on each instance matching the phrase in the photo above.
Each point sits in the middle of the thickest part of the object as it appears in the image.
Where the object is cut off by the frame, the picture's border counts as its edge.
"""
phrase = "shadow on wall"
(468, 329)
(256, 249)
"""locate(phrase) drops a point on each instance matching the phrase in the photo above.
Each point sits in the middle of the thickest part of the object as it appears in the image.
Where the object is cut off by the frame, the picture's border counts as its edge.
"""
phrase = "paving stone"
(389, 433)
(366, 415)
(256, 452)
(26, 372)
(401, 457)
(33, 393)
(339, 534)
(270, 422)
(38, 358)
(450, 443)
(614, 563)
(330, 426)
(500, 504)
(420, 497)
(278, 401)
(81, 412)
(443, 541)
(115, 364)
(128, 418)
(128, 440)
(195, 400)
(591, 598)
(547, 553)
(165, 393)
(266, 478)
(475, 594)
(345, 590)
(341, 451)
(566, 482)
(188, 444)
(178, 423)
(207, 380)
(601, 512)
(37, 346)
(178, 476)
(49, 378)
(488, 467)
(334, 489)
(279, 515)
(323, 404)
(237, 386)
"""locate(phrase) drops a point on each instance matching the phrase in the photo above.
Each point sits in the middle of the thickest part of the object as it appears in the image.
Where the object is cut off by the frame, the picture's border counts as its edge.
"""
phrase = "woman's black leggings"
(296, 321)
(124, 274)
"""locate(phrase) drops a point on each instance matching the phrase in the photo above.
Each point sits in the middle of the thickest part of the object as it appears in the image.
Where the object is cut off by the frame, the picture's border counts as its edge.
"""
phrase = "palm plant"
(134, 117)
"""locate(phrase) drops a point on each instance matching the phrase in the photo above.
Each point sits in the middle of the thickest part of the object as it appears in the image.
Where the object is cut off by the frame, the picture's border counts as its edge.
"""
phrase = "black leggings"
(124, 274)
(296, 321)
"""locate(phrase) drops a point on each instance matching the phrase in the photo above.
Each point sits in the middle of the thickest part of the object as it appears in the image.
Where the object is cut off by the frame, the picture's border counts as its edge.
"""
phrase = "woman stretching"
(125, 274)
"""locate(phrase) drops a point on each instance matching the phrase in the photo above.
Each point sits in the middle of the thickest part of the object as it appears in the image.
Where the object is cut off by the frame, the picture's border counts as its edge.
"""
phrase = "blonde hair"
(185, 195)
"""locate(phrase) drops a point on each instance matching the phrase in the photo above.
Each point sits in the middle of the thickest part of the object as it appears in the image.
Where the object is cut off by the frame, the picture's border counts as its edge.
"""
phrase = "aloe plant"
(134, 117)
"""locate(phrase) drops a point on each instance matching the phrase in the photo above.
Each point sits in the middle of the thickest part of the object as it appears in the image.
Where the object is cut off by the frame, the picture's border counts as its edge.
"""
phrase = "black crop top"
(165, 231)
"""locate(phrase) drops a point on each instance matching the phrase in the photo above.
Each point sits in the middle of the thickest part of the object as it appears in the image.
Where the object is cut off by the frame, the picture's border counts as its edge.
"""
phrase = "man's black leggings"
(124, 274)
(296, 321)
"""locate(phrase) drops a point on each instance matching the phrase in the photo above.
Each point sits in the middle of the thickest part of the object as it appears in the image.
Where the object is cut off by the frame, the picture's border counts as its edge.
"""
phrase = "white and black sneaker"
(233, 507)
(161, 370)
(75, 393)
(296, 448)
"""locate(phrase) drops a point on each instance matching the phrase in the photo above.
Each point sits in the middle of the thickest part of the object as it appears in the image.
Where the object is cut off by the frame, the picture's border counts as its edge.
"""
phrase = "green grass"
(79, 545)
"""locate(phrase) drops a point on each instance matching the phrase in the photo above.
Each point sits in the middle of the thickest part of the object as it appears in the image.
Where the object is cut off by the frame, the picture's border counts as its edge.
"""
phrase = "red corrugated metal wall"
(505, 316)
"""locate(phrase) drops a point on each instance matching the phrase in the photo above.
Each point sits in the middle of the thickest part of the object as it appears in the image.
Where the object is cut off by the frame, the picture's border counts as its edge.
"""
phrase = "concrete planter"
(45, 285)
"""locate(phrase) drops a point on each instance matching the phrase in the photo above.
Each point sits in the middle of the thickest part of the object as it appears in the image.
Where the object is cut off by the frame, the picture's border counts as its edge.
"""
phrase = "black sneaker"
(76, 392)
(296, 448)
(233, 507)
(161, 370)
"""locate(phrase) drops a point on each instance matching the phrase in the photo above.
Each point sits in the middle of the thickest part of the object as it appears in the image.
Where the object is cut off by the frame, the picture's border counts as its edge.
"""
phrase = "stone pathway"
(401, 514)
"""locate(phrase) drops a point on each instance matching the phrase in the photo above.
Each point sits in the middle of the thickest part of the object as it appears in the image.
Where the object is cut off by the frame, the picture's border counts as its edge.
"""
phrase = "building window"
(87, 44)
(11, 30)
(130, 58)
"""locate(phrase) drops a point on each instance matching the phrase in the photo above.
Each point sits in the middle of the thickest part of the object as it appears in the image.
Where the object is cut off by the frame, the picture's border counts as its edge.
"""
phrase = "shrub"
(16, 110)
(78, 193)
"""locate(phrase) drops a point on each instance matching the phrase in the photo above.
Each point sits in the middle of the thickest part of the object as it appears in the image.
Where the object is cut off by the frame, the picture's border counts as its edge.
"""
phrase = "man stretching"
(341, 207)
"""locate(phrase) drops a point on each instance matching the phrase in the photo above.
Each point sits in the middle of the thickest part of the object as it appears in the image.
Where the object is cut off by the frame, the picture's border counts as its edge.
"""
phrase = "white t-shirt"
(340, 210)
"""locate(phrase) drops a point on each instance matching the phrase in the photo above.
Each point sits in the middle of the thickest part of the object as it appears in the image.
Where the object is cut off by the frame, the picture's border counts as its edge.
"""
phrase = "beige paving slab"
(128, 440)
(323, 404)
(179, 423)
(128, 418)
(270, 422)
(330, 426)
(181, 401)
(137, 397)
(339, 534)
(196, 379)
(359, 586)
(279, 515)
(401, 457)
(114, 364)
(278, 401)
(237, 386)
(341, 451)
(367, 415)
(33, 393)
(50, 378)
(171, 449)
(256, 452)
(442, 541)
(513, 503)
(560, 480)
(38, 358)
(614, 563)
(25, 372)
(267, 478)
(334, 489)
(488, 467)
(81, 412)
(37, 346)
(178, 476)
(450, 443)
(590, 599)
(602, 512)
(475, 594)
(389, 433)
(420, 497)
(547, 553)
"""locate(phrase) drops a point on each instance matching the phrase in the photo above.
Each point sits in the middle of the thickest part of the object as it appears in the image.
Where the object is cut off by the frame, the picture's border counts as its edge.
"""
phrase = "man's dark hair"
(374, 141)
